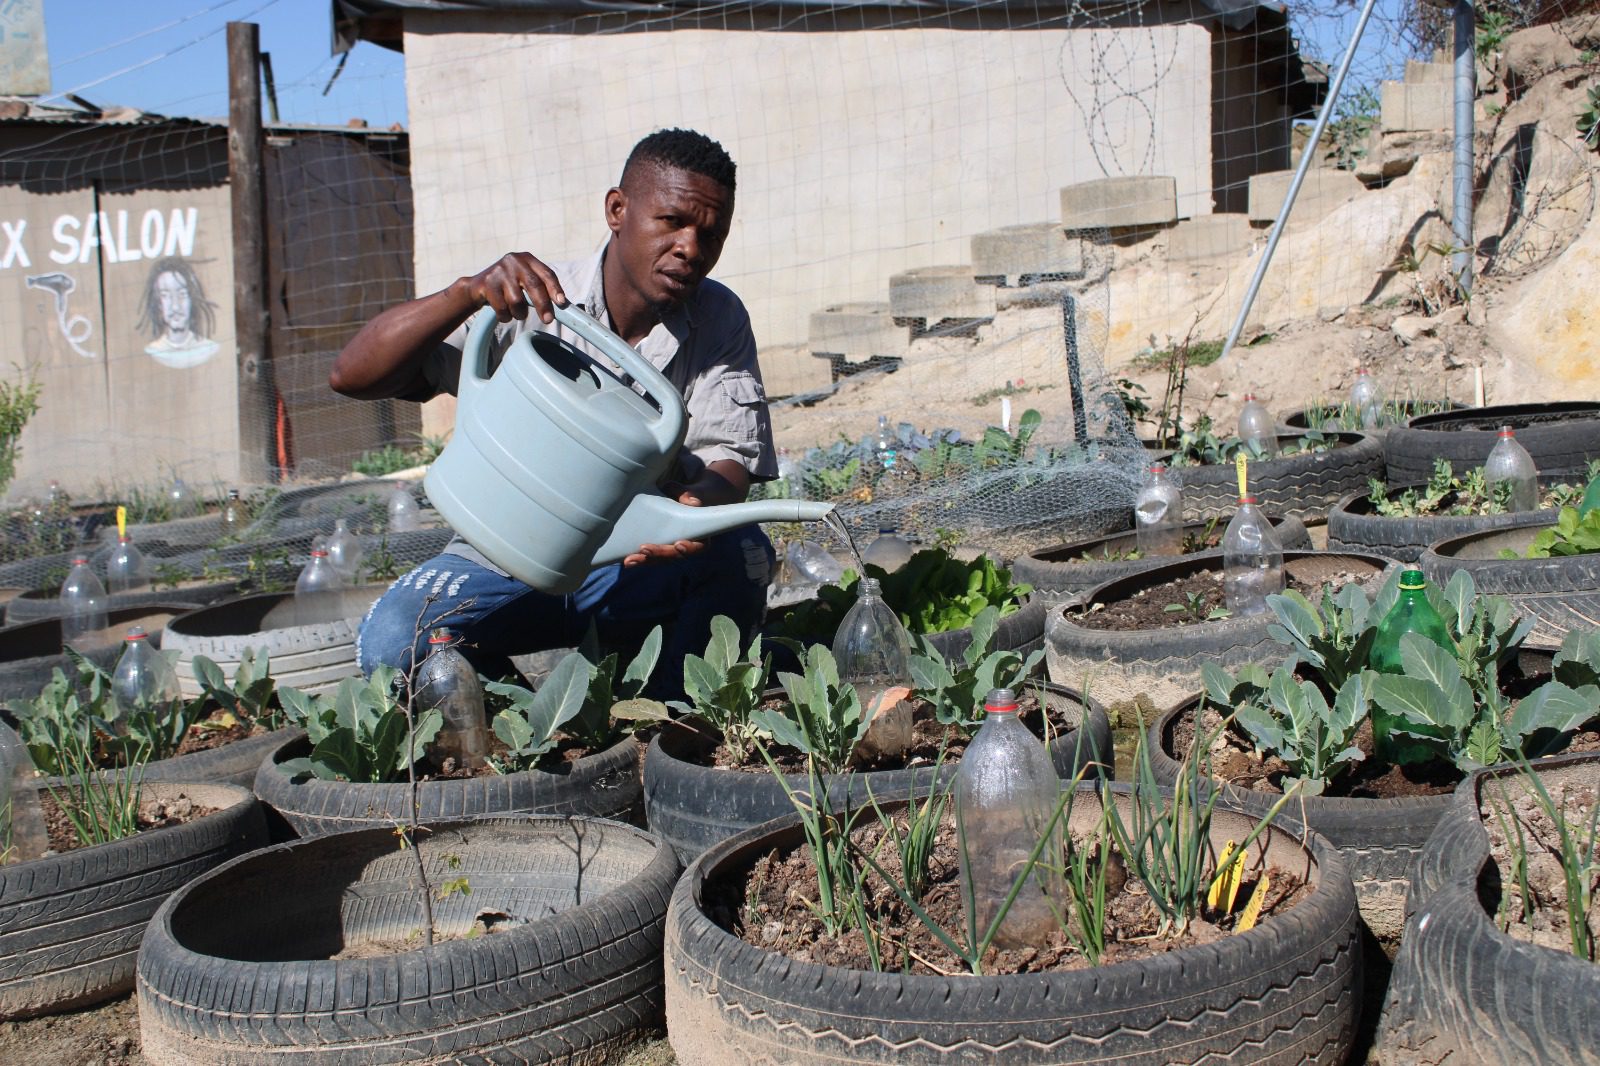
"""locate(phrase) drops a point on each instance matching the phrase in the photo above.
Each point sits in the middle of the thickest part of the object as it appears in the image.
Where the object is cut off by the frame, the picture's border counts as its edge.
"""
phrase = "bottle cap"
(1361, 371)
(1247, 499)
(80, 560)
(319, 553)
(441, 636)
(1000, 701)
(135, 633)
(1411, 580)
(1249, 397)
(1505, 433)
(1158, 468)
(885, 531)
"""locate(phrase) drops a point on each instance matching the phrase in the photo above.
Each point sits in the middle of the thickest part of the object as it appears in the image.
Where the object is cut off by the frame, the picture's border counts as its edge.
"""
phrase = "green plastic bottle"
(1412, 613)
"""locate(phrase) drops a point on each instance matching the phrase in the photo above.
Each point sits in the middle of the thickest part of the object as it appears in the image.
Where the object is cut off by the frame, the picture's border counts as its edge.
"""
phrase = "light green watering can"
(553, 466)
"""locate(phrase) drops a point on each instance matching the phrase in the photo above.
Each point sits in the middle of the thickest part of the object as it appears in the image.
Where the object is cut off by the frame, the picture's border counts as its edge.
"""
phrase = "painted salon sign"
(121, 237)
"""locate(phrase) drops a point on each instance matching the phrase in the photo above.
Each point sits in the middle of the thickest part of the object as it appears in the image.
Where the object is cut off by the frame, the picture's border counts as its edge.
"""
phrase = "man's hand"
(721, 482)
(516, 282)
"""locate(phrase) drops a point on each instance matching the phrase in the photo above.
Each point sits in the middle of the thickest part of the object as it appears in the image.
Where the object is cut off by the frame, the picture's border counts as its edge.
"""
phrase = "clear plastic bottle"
(318, 579)
(21, 820)
(125, 569)
(1255, 426)
(873, 653)
(83, 603)
(446, 682)
(1006, 792)
(889, 550)
(1252, 560)
(1366, 399)
(143, 680)
(789, 476)
(811, 563)
(179, 499)
(404, 515)
(886, 445)
(1158, 515)
(1510, 461)
(345, 551)
(234, 517)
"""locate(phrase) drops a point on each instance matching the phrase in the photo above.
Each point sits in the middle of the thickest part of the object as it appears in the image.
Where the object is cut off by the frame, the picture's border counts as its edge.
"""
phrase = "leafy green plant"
(99, 807)
(1494, 26)
(1293, 720)
(1194, 609)
(359, 731)
(1576, 847)
(1327, 415)
(725, 688)
(956, 689)
(822, 718)
(19, 402)
(1589, 117)
(1571, 535)
(529, 725)
(251, 696)
(1443, 494)
(924, 817)
(1354, 118)
(1334, 636)
(614, 699)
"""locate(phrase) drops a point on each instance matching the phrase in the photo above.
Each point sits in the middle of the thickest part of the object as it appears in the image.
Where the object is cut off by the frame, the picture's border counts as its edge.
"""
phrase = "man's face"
(669, 227)
(174, 297)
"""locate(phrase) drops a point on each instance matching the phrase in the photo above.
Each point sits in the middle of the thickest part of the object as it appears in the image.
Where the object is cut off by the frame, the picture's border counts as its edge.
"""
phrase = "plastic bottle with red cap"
(1256, 427)
(143, 682)
(125, 569)
(1158, 514)
(447, 683)
(318, 580)
(1509, 462)
(83, 602)
(1006, 794)
(1252, 560)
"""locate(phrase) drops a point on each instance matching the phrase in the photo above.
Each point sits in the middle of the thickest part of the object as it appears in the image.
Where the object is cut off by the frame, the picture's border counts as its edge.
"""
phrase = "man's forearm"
(386, 357)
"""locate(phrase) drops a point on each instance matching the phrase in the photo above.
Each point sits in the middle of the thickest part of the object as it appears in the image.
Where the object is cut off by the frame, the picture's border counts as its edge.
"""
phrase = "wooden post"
(257, 393)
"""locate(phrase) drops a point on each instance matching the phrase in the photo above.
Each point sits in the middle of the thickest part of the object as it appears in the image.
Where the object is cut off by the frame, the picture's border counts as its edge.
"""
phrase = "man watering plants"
(668, 217)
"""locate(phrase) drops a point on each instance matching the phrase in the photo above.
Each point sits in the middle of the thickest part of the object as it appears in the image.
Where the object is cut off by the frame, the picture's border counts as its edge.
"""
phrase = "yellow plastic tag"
(122, 521)
(1226, 887)
(1252, 910)
(1240, 462)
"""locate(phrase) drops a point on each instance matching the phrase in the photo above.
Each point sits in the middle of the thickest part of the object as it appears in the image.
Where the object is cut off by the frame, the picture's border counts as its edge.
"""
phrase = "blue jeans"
(498, 617)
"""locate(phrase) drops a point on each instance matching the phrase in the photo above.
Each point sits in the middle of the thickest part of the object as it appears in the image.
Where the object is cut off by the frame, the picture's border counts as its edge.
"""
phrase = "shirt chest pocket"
(742, 390)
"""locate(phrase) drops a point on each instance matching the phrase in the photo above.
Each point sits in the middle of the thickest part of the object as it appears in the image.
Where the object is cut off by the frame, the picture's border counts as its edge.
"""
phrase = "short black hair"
(682, 150)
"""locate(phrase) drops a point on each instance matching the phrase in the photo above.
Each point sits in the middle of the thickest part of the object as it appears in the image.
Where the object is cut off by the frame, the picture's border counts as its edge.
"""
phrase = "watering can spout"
(654, 519)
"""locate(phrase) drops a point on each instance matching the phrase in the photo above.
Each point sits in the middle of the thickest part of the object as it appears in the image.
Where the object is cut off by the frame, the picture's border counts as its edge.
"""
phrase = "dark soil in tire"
(70, 924)
(693, 806)
(603, 785)
(1464, 992)
(1160, 668)
(1059, 572)
(1559, 436)
(237, 967)
(1305, 486)
(1287, 991)
(1353, 525)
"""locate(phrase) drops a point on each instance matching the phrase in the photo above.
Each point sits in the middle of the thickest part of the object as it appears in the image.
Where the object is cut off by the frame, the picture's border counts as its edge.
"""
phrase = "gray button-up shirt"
(705, 347)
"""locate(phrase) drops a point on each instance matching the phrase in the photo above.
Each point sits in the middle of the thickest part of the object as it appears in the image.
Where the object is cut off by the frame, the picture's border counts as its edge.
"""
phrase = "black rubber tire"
(38, 605)
(230, 764)
(1020, 631)
(1561, 593)
(603, 785)
(1295, 421)
(1163, 665)
(692, 806)
(1058, 573)
(313, 657)
(1287, 991)
(1305, 486)
(1559, 436)
(1380, 839)
(30, 653)
(70, 924)
(1352, 525)
(1462, 990)
(235, 967)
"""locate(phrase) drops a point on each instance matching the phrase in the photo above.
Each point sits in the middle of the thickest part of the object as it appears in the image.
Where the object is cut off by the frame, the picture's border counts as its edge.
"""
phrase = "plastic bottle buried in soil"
(1509, 461)
(404, 515)
(143, 680)
(1255, 426)
(345, 551)
(446, 682)
(1005, 794)
(1252, 560)
(889, 551)
(180, 501)
(318, 580)
(1158, 515)
(1366, 400)
(83, 603)
(22, 826)
(873, 653)
(125, 569)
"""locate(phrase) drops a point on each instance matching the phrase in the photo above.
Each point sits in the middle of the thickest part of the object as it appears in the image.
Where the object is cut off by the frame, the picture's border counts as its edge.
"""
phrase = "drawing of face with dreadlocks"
(177, 314)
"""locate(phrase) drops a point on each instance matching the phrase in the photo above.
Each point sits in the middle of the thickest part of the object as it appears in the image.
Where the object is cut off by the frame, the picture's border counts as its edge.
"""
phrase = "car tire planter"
(603, 785)
(70, 924)
(313, 656)
(1286, 991)
(1560, 593)
(1163, 665)
(227, 764)
(1058, 573)
(235, 967)
(1298, 420)
(692, 806)
(1462, 990)
(1021, 631)
(1352, 526)
(1559, 436)
(30, 653)
(38, 604)
(1305, 486)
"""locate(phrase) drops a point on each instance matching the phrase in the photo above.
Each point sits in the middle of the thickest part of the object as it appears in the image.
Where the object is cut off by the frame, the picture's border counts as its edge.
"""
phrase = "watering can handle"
(669, 427)
(475, 357)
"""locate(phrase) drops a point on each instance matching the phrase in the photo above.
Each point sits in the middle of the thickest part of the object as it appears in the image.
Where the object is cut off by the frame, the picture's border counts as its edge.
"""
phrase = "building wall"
(861, 153)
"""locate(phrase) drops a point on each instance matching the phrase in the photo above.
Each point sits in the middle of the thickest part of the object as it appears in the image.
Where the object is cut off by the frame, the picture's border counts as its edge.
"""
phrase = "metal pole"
(1466, 91)
(1299, 177)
